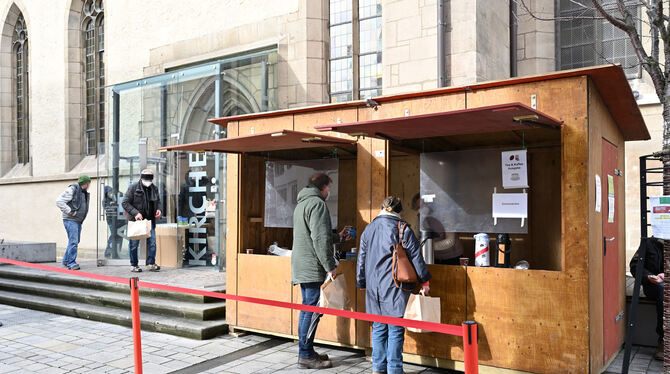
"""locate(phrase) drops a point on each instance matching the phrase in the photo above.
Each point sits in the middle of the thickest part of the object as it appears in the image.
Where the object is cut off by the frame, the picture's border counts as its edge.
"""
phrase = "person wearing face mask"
(73, 203)
(142, 201)
(312, 259)
(447, 248)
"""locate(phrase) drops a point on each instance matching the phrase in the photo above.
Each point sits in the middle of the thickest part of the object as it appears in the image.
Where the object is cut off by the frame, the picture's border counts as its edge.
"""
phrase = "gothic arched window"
(20, 52)
(94, 74)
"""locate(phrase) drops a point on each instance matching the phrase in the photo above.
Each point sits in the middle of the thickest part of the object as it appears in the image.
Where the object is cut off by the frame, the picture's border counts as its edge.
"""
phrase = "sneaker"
(658, 355)
(153, 267)
(74, 267)
(313, 363)
(135, 269)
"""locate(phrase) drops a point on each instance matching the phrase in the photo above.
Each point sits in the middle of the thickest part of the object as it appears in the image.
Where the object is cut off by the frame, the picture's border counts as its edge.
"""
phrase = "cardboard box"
(169, 245)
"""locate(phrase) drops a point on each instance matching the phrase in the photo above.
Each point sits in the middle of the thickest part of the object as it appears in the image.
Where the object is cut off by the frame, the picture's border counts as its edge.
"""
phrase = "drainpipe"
(441, 31)
(513, 27)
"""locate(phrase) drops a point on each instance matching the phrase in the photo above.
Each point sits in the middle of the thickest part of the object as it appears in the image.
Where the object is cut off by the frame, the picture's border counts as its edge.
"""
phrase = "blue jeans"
(73, 230)
(151, 249)
(310, 296)
(387, 342)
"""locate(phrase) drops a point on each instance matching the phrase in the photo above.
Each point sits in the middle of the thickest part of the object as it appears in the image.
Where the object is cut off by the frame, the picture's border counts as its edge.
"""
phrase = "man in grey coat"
(312, 259)
(73, 203)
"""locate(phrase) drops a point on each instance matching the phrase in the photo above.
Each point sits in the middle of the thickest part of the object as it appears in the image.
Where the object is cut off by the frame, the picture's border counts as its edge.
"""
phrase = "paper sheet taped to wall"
(660, 216)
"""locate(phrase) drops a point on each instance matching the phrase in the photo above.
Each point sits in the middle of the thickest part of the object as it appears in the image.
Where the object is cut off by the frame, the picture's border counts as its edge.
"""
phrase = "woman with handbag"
(389, 267)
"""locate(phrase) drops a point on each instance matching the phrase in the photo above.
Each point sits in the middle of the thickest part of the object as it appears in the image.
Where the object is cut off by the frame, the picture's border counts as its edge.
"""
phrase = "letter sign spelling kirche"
(197, 246)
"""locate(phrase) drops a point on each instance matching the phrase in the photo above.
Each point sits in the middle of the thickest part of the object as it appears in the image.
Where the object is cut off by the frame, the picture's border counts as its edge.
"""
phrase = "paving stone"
(123, 363)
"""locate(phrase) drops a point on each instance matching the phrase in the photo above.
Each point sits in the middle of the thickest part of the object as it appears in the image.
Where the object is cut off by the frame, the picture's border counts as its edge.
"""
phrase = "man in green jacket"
(312, 259)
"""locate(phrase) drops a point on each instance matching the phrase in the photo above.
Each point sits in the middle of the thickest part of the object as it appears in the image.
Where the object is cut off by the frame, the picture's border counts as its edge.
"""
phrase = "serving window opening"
(454, 173)
(271, 182)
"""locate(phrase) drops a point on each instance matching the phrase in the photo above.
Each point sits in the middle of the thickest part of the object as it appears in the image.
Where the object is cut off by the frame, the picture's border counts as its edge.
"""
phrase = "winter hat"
(84, 179)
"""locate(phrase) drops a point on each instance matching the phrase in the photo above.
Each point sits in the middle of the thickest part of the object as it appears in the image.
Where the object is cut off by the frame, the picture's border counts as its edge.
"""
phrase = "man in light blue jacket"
(73, 203)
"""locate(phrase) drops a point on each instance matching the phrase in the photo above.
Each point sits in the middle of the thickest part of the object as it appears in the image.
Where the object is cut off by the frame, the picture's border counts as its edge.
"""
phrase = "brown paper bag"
(334, 293)
(139, 229)
(422, 308)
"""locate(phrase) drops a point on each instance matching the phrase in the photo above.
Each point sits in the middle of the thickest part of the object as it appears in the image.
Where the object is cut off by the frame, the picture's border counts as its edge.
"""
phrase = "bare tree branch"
(619, 23)
(570, 18)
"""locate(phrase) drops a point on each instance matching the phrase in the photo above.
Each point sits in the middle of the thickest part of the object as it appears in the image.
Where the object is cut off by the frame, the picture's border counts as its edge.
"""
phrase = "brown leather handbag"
(402, 270)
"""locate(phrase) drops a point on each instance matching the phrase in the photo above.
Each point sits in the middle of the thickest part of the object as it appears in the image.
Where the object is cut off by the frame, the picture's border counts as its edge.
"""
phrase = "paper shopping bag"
(139, 229)
(334, 293)
(422, 308)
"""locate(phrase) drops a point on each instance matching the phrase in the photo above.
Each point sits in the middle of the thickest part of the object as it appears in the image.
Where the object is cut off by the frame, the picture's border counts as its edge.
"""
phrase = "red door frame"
(611, 284)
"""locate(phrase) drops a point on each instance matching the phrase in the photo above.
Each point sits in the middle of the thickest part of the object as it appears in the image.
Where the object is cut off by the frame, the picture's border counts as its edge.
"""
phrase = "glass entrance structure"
(170, 109)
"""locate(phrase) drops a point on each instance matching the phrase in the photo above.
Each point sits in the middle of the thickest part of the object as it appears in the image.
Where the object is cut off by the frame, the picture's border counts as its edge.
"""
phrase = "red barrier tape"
(430, 326)
(66, 271)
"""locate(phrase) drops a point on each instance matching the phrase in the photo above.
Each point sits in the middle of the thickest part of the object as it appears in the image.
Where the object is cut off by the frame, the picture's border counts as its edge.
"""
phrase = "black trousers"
(655, 292)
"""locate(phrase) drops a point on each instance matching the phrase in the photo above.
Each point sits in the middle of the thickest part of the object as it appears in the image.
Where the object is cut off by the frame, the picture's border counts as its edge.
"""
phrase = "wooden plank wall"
(602, 126)
(265, 277)
(543, 249)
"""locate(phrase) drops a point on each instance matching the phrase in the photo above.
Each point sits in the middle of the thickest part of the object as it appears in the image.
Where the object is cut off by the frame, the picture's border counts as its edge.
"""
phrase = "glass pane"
(340, 41)
(369, 8)
(340, 11)
(341, 76)
(173, 108)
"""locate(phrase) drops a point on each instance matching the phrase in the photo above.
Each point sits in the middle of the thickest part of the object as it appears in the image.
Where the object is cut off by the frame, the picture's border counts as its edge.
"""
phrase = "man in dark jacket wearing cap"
(142, 201)
(73, 203)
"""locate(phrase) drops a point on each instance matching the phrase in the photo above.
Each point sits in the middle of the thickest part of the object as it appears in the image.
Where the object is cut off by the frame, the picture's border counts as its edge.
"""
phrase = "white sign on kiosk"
(510, 205)
(660, 216)
(514, 169)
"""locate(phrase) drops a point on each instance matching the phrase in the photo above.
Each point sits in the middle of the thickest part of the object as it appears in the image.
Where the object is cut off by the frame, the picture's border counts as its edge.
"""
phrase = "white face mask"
(146, 183)
(328, 195)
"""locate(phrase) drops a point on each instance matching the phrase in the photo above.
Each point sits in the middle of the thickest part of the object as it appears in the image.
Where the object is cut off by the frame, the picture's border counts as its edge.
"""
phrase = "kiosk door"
(612, 316)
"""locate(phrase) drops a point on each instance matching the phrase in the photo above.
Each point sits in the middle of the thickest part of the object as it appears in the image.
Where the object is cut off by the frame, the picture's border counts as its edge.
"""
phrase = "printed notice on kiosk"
(514, 169)
(660, 216)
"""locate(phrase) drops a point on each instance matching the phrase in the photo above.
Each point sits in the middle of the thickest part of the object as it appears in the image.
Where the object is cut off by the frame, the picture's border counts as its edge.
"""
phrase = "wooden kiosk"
(563, 315)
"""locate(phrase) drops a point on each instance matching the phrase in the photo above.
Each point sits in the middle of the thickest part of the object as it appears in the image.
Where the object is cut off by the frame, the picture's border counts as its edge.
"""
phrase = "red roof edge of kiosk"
(265, 142)
(495, 118)
(609, 80)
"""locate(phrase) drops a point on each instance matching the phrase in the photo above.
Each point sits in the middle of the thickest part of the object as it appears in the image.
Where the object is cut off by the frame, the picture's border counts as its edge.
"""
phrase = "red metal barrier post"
(470, 350)
(137, 330)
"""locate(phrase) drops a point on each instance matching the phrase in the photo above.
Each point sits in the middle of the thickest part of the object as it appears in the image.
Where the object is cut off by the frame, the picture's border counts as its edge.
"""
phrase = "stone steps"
(191, 316)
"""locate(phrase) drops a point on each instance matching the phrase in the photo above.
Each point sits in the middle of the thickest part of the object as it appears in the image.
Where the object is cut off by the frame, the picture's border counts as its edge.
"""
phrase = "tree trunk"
(666, 243)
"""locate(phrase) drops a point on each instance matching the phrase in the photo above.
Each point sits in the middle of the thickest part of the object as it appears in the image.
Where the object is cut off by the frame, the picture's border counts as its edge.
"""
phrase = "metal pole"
(441, 36)
(143, 165)
(217, 166)
(513, 27)
(470, 348)
(264, 85)
(137, 332)
(118, 242)
(632, 313)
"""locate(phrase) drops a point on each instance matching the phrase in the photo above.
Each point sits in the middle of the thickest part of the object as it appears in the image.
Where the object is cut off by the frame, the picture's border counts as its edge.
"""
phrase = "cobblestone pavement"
(642, 362)
(39, 342)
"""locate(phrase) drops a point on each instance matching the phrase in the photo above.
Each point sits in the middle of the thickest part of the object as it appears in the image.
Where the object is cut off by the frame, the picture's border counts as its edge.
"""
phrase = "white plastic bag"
(139, 229)
(334, 293)
(279, 251)
(422, 308)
